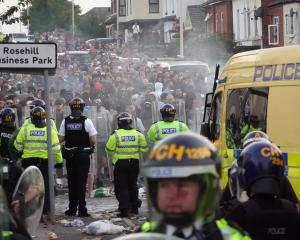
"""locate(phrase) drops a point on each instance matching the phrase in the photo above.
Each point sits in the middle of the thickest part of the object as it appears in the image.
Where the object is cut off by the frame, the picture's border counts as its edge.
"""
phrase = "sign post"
(34, 58)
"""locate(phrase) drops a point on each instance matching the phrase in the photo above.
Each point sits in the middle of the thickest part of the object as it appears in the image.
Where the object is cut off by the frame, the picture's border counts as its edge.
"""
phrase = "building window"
(248, 23)
(222, 22)
(122, 7)
(217, 22)
(153, 6)
(255, 23)
(273, 31)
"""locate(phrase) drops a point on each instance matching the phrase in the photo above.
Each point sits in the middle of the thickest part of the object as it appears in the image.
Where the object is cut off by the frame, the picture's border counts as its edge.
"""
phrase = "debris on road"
(103, 227)
(72, 223)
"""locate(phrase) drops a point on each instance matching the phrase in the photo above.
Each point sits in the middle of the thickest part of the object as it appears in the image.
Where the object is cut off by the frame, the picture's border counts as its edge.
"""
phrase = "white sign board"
(28, 56)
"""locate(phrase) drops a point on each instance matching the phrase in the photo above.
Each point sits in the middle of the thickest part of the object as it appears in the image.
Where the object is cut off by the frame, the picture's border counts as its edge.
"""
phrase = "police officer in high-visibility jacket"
(32, 142)
(126, 145)
(39, 103)
(167, 126)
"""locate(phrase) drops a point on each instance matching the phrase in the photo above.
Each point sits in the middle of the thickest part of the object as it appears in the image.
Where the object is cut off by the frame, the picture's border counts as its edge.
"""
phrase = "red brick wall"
(226, 9)
(268, 19)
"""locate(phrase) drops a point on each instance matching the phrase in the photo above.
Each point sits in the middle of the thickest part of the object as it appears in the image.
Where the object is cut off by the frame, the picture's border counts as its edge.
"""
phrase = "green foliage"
(48, 15)
(7, 17)
(88, 26)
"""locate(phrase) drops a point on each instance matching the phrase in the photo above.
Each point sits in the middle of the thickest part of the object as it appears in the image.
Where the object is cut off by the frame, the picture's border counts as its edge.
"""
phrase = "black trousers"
(126, 172)
(41, 164)
(77, 170)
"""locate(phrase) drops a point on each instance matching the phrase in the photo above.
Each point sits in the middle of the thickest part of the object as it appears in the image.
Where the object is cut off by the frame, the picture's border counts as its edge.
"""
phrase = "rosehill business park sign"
(26, 56)
(34, 58)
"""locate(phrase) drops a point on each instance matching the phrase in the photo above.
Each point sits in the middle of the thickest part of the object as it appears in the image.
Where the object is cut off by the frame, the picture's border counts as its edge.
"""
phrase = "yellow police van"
(257, 90)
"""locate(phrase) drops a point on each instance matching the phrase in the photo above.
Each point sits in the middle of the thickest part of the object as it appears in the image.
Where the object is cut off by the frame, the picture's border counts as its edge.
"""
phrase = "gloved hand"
(58, 165)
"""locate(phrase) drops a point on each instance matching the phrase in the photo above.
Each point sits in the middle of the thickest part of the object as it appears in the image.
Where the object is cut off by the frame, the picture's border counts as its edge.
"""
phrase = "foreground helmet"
(37, 103)
(8, 117)
(124, 120)
(168, 112)
(185, 156)
(76, 105)
(261, 166)
(38, 117)
(255, 136)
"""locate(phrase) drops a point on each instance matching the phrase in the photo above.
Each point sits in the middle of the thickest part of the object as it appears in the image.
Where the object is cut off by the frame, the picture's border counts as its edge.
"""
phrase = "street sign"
(28, 56)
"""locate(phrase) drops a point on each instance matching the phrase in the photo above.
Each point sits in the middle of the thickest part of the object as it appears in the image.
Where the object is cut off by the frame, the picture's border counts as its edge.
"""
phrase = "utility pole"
(117, 10)
(181, 6)
(73, 23)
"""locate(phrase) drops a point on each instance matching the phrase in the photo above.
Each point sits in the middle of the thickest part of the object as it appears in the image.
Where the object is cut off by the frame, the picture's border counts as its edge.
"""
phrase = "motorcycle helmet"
(168, 112)
(77, 106)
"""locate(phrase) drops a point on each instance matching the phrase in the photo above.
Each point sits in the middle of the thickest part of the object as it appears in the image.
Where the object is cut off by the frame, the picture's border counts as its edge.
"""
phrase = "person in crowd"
(126, 146)
(167, 126)
(184, 188)
(104, 128)
(79, 134)
(31, 141)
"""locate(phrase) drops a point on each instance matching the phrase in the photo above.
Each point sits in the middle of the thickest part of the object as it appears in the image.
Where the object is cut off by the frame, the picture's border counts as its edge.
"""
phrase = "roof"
(242, 66)
(276, 2)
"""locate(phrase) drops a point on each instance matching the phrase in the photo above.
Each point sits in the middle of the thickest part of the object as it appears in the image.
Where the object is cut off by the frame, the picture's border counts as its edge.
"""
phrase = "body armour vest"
(75, 134)
(5, 135)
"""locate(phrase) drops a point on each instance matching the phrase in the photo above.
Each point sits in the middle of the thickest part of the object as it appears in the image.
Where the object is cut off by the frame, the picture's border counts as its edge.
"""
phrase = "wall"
(244, 22)
(291, 38)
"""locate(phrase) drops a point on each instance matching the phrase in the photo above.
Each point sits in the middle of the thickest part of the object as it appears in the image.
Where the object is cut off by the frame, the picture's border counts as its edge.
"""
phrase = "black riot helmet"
(168, 112)
(255, 136)
(185, 156)
(37, 103)
(8, 117)
(76, 105)
(38, 117)
(124, 120)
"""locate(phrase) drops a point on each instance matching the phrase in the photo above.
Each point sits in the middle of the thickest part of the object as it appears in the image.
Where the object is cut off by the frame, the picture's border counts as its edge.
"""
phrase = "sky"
(85, 5)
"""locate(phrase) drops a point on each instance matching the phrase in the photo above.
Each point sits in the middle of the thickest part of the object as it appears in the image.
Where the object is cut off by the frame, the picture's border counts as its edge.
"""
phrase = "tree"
(8, 17)
(89, 26)
(48, 15)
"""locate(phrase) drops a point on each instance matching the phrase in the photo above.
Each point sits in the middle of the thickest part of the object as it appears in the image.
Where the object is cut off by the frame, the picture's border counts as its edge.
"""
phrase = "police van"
(257, 90)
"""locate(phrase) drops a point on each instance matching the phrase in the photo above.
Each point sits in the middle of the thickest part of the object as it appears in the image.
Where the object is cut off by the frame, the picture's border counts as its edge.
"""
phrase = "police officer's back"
(31, 141)
(11, 172)
(126, 145)
(264, 215)
(79, 134)
(167, 126)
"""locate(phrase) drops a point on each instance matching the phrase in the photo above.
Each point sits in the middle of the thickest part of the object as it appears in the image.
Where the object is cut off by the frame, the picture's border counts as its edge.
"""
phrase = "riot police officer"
(167, 126)
(31, 141)
(231, 198)
(11, 172)
(126, 145)
(79, 134)
(182, 176)
(264, 215)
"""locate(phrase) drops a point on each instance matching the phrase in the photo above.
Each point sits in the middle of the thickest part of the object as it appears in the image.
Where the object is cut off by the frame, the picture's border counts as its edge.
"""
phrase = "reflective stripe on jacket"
(162, 129)
(126, 144)
(32, 142)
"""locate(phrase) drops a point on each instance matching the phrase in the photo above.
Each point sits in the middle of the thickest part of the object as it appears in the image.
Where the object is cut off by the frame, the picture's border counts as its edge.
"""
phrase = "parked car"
(101, 41)
(18, 37)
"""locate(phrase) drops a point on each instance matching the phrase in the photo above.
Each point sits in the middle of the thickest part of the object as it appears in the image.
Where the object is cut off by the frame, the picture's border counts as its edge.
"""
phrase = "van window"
(246, 111)
(215, 117)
